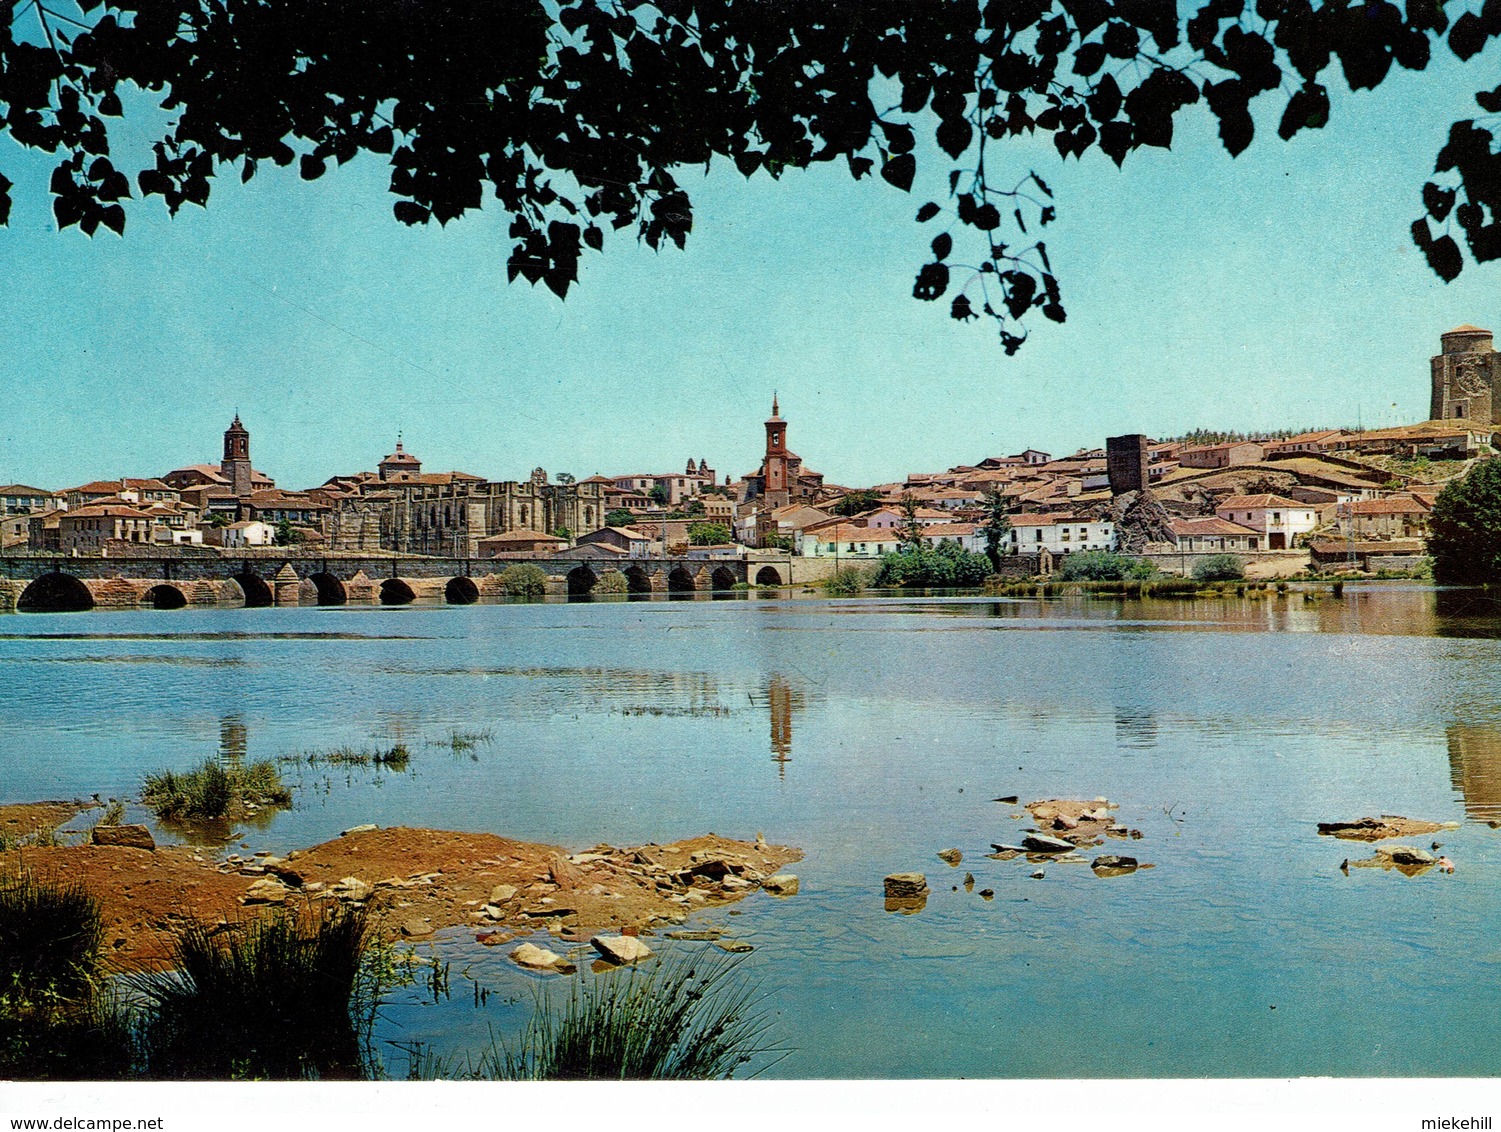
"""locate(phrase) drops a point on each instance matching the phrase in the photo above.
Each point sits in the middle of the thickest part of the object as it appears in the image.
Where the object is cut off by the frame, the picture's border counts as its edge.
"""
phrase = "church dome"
(401, 458)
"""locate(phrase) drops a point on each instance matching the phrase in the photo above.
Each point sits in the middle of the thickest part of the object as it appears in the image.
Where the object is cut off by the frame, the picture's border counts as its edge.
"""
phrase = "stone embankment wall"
(1259, 564)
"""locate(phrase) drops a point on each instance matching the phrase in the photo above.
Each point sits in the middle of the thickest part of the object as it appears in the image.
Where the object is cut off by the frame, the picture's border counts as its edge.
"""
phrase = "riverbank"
(419, 881)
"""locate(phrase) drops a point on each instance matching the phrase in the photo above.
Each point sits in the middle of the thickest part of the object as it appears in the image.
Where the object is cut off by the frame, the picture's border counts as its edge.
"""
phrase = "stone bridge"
(55, 583)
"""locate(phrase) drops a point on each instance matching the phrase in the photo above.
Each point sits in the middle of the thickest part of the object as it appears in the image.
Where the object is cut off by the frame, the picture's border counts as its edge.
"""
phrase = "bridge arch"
(55, 593)
(395, 591)
(768, 576)
(680, 582)
(581, 580)
(461, 591)
(164, 596)
(330, 590)
(638, 582)
(723, 578)
(257, 592)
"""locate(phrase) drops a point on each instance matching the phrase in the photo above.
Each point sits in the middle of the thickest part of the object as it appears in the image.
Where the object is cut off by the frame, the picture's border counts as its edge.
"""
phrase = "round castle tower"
(1465, 374)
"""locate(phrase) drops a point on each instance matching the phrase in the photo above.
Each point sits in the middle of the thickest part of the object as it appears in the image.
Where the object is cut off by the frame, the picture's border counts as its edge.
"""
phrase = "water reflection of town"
(1475, 769)
(1397, 610)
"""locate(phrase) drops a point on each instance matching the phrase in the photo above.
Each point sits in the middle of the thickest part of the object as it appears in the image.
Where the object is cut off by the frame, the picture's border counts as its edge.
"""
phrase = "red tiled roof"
(1258, 502)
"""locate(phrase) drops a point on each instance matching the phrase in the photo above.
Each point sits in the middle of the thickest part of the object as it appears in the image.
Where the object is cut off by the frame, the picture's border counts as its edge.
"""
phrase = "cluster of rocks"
(1382, 828)
(1063, 828)
(1409, 860)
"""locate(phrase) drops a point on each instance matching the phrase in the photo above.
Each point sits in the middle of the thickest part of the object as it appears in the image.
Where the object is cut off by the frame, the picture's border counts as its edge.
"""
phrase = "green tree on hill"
(1465, 528)
(619, 517)
(997, 526)
(708, 534)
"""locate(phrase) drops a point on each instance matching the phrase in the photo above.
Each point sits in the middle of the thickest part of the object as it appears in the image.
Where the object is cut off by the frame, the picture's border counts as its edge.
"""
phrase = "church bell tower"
(776, 458)
(235, 467)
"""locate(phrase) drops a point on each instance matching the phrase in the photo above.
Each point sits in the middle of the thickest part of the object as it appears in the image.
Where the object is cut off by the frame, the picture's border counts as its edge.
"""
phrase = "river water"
(873, 733)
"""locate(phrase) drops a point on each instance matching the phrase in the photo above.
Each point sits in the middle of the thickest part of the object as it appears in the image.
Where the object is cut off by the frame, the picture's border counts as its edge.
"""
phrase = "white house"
(1278, 519)
(850, 541)
(249, 532)
(1213, 534)
(1059, 534)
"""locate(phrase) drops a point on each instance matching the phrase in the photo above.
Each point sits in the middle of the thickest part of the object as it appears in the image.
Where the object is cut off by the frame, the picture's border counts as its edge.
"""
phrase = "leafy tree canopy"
(577, 117)
(856, 502)
(1465, 528)
(708, 534)
(619, 517)
(1103, 566)
(1219, 568)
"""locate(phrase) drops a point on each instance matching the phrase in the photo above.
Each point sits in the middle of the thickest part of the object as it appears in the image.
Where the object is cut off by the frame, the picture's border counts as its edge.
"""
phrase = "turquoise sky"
(1279, 289)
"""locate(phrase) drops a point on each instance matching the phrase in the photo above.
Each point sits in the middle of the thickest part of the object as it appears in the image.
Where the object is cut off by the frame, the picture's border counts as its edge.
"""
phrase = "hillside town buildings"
(1253, 495)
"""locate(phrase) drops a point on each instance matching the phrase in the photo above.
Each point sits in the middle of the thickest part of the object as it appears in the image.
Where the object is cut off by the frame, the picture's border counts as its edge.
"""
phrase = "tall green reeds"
(213, 791)
(685, 1018)
(57, 1020)
(284, 998)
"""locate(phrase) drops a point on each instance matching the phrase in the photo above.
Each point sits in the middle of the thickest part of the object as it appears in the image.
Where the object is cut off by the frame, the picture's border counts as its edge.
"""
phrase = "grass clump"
(687, 1018)
(57, 1022)
(284, 998)
(214, 791)
(396, 757)
(847, 581)
(1220, 568)
(462, 741)
(523, 580)
(612, 582)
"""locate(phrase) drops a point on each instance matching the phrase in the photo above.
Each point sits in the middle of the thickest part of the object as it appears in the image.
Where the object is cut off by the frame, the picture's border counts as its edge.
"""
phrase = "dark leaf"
(1308, 108)
(961, 310)
(932, 282)
(1437, 201)
(1467, 37)
(943, 243)
(927, 212)
(311, 168)
(954, 136)
(899, 136)
(899, 171)
(1089, 58)
(594, 237)
(1443, 256)
(410, 212)
(1230, 102)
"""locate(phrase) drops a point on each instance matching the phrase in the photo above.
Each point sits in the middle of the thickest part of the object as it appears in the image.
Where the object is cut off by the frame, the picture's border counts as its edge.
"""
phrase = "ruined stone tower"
(1465, 376)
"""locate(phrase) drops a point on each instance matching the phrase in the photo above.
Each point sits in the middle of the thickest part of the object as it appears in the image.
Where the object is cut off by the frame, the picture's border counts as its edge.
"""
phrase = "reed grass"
(283, 998)
(687, 1017)
(212, 790)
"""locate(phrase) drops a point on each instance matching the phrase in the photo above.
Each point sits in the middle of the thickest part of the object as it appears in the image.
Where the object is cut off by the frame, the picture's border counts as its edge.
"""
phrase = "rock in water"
(951, 856)
(620, 948)
(734, 946)
(907, 886)
(1042, 843)
(412, 928)
(536, 958)
(1408, 855)
(368, 827)
(129, 836)
(1111, 862)
(782, 884)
